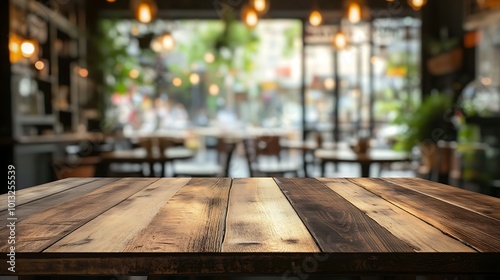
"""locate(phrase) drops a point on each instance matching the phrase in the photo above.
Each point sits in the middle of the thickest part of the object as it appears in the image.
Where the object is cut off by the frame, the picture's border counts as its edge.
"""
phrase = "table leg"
(365, 170)
(304, 163)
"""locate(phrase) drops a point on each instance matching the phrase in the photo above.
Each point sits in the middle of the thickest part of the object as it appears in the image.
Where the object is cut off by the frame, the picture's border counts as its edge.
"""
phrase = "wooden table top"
(252, 226)
(140, 155)
(372, 156)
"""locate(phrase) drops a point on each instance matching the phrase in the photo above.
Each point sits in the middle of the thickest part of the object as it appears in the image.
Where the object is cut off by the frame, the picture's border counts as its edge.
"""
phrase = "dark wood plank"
(260, 219)
(192, 221)
(113, 229)
(421, 236)
(336, 224)
(41, 230)
(283, 265)
(44, 203)
(486, 205)
(476, 230)
(30, 194)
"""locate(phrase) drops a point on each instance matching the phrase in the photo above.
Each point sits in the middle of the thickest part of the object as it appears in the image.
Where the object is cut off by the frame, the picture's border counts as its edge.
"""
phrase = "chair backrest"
(165, 143)
(268, 145)
(250, 154)
(225, 152)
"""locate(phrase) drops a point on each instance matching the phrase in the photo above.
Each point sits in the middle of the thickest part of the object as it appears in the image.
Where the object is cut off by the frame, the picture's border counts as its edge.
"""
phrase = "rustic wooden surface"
(220, 226)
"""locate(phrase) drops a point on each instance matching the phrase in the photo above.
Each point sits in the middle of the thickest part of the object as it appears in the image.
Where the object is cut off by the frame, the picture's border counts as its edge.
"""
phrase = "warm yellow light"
(209, 57)
(329, 84)
(417, 4)
(177, 81)
(84, 73)
(15, 48)
(250, 17)
(28, 48)
(134, 74)
(315, 18)
(213, 89)
(339, 41)
(486, 81)
(261, 6)
(111, 1)
(194, 78)
(39, 65)
(144, 13)
(354, 12)
(167, 42)
(156, 45)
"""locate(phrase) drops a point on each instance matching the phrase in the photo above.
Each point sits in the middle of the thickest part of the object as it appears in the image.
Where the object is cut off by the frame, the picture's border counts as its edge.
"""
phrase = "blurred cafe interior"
(252, 88)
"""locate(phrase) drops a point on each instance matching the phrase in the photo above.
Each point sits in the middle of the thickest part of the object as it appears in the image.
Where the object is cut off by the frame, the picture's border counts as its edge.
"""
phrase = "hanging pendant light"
(29, 48)
(354, 12)
(339, 41)
(417, 4)
(249, 16)
(261, 6)
(315, 18)
(163, 44)
(144, 10)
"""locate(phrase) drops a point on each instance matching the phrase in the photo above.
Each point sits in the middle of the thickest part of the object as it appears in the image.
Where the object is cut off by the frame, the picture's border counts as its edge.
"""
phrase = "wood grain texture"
(192, 221)
(476, 230)
(30, 194)
(486, 205)
(111, 231)
(41, 230)
(421, 236)
(260, 219)
(44, 203)
(336, 224)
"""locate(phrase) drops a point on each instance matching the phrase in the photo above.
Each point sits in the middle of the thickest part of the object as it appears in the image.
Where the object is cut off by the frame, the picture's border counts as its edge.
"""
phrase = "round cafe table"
(141, 156)
(364, 160)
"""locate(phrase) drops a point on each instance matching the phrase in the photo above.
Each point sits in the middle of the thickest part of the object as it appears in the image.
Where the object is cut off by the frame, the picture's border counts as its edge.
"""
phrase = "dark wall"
(448, 14)
(6, 148)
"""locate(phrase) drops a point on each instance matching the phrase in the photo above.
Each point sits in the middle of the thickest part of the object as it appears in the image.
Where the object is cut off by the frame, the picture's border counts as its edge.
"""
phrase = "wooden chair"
(225, 152)
(258, 152)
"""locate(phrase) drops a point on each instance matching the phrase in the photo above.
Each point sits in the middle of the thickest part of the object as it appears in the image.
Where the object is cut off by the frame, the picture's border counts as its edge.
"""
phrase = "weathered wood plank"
(421, 236)
(336, 224)
(476, 230)
(260, 219)
(41, 230)
(44, 203)
(111, 231)
(30, 194)
(486, 205)
(192, 221)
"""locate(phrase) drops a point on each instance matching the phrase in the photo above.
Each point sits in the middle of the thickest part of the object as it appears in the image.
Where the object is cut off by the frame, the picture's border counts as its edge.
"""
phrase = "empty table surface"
(252, 226)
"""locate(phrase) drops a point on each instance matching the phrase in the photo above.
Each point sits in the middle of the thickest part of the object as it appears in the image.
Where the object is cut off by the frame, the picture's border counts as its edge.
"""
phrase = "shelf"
(37, 120)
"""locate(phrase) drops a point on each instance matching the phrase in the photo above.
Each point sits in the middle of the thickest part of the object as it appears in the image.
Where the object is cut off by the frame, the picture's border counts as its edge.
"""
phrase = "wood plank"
(336, 224)
(193, 220)
(287, 265)
(421, 236)
(44, 203)
(111, 231)
(260, 219)
(480, 203)
(476, 230)
(30, 194)
(41, 230)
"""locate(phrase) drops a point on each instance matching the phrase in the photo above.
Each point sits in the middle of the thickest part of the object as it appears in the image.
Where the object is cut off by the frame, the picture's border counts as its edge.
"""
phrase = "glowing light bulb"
(315, 18)
(260, 6)
(354, 12)
(134, 74)
(209, 57)
(167, 42)
(39, 65)
(194, 78)
(28, 48)
(144, 13)
(250, 17)
(84, 73)
(177, 81)
(417, 4)
(339, 41)
(213, 89)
